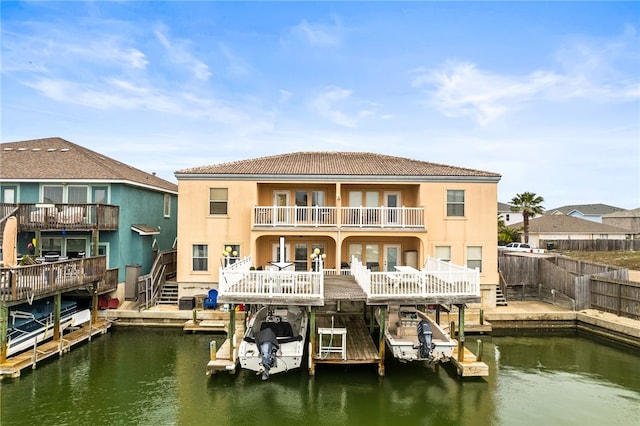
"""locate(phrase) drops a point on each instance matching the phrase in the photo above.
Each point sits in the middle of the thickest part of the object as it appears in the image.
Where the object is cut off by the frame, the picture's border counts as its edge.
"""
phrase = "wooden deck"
(15, 364)
(360, 346)
(469, 366)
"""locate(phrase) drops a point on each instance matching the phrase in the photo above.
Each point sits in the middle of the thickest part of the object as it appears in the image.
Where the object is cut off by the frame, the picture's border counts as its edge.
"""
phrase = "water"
(157, 377)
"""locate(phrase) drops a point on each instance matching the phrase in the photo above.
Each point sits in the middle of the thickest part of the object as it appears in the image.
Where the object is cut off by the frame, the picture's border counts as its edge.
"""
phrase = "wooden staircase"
(501, 299)
(168, 293)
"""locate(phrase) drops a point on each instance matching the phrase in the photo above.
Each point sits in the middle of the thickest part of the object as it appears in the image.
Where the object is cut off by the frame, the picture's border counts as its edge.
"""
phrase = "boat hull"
(290, 353)
(27, 335)
(402, 337)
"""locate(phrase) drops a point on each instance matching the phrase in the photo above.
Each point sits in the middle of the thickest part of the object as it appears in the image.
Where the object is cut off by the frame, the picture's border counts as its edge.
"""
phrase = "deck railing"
(39, 216)
(24, 283)
(353, 217)
(437, 279)
(240, 281)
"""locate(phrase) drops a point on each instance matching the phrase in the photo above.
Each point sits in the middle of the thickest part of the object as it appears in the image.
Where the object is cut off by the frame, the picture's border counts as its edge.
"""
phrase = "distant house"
(592, 212)
(561, 227)
(625, 219)
(76, 202)
(510, 217)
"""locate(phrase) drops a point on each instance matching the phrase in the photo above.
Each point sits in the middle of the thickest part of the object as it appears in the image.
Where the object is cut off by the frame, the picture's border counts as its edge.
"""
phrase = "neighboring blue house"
(592, 212)
(75, 202)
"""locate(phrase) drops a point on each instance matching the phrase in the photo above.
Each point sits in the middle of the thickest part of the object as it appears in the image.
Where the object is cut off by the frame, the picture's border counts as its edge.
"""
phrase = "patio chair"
(211, 301)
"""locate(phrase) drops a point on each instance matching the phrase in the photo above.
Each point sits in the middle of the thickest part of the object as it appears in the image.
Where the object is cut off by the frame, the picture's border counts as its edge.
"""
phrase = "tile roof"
(335, 163)
(586, 209)
(567, 224)
(59, 159)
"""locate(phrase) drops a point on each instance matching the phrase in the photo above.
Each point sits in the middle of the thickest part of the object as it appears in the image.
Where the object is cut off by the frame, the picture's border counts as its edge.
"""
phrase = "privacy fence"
(591, 245)
(571, 283)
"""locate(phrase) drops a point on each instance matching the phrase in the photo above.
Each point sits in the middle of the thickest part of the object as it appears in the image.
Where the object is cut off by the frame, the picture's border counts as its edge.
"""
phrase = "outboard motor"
(425, 336)
(268, 346)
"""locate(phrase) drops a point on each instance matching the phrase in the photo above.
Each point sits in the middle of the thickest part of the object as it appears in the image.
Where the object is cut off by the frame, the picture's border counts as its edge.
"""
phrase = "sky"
(547, 94)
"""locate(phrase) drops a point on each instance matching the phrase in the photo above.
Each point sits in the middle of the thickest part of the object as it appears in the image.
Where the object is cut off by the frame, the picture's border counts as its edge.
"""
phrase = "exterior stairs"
(501, 299)
(168, 294)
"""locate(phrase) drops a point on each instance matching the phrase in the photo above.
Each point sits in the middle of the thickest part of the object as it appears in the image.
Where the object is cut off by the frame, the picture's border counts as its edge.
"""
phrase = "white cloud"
(179, 53)
(333, 104)
(590, 70)
(316, 34)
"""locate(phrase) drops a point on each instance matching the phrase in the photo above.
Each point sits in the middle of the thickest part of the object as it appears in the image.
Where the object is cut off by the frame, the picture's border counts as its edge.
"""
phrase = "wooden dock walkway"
(225, 359)
(360, 347)
(15, 364)
(469, 366)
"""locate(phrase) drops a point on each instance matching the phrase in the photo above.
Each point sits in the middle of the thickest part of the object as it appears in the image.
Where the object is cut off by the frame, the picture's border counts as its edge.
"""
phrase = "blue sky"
(545, 93)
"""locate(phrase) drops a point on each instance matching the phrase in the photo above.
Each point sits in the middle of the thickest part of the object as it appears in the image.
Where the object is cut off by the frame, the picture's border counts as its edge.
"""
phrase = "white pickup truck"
(521, 247)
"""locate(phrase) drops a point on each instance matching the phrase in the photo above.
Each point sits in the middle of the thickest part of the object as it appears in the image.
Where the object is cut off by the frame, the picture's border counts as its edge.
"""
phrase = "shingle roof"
(586, 209)
(336, 163)
(624, 213)
(58, 159)
(568, 224)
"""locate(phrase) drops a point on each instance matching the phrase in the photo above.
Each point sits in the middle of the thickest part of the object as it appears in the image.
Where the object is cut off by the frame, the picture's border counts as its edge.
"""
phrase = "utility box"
(186, 303)
(132, 273)
(411, 258)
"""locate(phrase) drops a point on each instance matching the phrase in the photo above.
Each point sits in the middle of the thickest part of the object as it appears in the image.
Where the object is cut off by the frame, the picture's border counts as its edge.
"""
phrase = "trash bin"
(132, 273)
(549, 246)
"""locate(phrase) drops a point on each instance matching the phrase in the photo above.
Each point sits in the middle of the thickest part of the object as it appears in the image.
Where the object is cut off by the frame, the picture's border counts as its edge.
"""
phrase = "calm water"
(157, 377)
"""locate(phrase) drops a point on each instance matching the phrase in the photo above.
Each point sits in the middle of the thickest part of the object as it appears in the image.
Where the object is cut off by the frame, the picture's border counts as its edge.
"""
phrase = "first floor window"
(474, 257)
(200, 257)
(455, 202)
(443, 253)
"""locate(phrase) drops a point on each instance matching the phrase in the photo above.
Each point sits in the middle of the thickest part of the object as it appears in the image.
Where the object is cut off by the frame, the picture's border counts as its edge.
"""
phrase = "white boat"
(275, 340)
(413, 336)
(32, 324)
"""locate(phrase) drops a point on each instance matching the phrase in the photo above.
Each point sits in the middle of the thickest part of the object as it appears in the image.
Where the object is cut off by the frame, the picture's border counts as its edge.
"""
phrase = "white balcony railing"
(437, 279)
(240, 281)
(353, 217)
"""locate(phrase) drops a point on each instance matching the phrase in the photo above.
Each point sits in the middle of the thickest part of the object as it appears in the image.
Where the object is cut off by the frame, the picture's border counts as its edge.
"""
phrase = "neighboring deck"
(12, 367)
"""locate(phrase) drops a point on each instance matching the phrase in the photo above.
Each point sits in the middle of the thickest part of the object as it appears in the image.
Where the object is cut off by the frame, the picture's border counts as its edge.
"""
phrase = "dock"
(359, 347)
(469, 366)
(226, 357)
(15, 364)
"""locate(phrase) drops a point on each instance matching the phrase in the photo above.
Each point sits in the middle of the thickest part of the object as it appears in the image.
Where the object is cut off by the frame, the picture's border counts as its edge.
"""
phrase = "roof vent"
(22, 149)
(8, 149)
(51, 149)
(64, 150)
(36, 149)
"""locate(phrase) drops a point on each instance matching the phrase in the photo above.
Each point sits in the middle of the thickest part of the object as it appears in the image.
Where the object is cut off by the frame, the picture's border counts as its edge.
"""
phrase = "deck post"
(232, 329)
(57, 301)
(438, 313)
(312, 342)
(4, 330)
(94, 304)
(381, 341)
(461, 332)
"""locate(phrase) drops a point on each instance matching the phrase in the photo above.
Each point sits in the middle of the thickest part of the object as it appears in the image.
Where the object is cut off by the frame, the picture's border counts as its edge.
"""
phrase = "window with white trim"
(167, 205)
(200, 257)
(443, 253)
(474, 257)
(218, 201)
(455, 203)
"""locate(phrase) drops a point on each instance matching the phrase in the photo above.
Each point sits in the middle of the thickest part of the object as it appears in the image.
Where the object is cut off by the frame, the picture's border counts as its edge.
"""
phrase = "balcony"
(23, 283)
(343, 217)
(54, 217)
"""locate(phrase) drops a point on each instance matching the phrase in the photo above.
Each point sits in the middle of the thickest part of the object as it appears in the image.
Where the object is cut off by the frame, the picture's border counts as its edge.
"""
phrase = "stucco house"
(562, 227)
(75, 202)
(384, 211)
(592, 212)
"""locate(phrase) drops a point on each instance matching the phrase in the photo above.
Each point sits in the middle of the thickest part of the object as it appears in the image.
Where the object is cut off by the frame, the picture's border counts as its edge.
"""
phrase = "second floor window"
(443, 253)
(218, 200)
(167, 205)
(57, 194)
(455, 202)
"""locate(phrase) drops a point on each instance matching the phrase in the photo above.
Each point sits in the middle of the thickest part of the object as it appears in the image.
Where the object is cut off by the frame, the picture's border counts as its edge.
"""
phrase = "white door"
(391, 256)
(281, 201)
(392, 202)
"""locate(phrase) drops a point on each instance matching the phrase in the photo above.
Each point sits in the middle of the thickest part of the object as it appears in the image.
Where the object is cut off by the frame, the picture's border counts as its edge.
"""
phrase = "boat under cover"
(275, 340)
(30, 324)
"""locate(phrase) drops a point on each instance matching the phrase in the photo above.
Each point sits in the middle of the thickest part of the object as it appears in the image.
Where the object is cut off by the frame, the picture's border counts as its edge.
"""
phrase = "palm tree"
(529, 204)
(506, 234)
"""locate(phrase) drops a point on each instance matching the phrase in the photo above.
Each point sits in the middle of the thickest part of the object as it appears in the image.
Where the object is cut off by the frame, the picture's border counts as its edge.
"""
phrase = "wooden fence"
(584, 285)
(592, 245)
